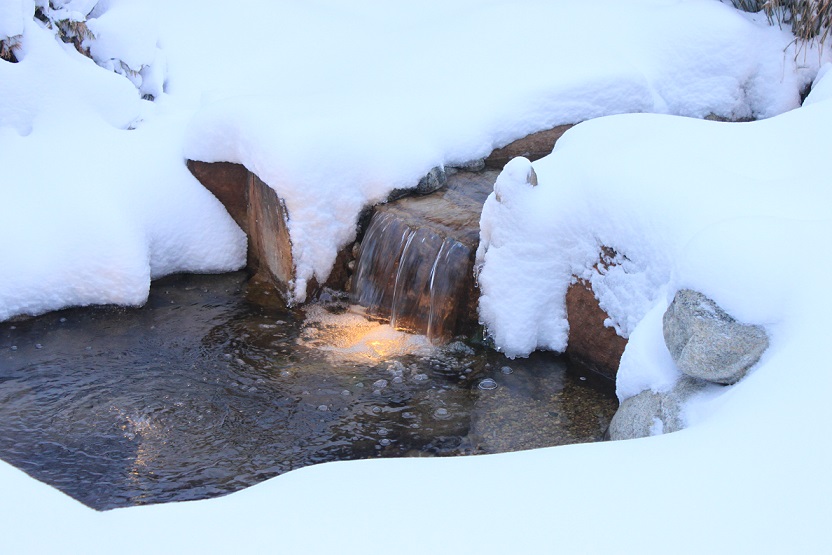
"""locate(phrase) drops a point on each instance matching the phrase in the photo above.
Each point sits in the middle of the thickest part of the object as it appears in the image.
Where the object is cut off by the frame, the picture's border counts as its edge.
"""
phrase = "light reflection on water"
(201, 393)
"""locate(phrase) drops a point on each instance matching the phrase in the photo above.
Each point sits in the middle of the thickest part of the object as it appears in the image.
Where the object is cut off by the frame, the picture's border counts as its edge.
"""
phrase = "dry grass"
(8, 47)
(810, 19)
(70, 31)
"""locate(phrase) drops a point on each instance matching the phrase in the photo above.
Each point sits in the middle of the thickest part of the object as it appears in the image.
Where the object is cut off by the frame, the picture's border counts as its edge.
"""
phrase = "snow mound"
(89, 211)
(686, 204)
(404, 104)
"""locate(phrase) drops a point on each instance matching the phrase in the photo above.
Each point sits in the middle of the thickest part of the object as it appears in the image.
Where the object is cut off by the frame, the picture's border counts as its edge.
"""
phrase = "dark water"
(201, 393)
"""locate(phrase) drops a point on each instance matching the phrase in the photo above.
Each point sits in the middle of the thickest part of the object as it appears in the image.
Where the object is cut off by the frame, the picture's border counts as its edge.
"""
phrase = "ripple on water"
(202, 397)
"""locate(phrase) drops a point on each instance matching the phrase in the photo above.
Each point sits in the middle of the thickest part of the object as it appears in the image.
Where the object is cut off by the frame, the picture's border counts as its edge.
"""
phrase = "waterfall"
(416, 278)
(415, 264)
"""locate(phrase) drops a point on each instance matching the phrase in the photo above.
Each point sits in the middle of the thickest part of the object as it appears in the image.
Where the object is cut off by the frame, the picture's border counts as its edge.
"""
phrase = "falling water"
(420, 283)
(409, 234)
(415, 264)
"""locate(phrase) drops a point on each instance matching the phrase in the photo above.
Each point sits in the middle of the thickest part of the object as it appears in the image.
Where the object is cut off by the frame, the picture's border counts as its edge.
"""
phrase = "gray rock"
(707, 343)
(471, 166)
(649, 413)
(433, 181)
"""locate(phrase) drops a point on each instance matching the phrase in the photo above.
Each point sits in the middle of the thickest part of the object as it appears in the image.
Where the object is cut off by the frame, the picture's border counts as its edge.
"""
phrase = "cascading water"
(415, 264)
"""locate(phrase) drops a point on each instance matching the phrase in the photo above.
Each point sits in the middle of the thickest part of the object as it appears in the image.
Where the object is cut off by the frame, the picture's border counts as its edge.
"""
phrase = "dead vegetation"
(68, 29)
(810, 20)
(8, 46)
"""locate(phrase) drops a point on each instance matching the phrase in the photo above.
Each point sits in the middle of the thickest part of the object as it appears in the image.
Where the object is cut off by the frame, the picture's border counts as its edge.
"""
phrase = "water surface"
(203, 392)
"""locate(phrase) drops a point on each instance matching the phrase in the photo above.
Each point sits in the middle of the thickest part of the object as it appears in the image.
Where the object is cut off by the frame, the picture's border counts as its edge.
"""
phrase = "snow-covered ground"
(336, 105)
(332, 107)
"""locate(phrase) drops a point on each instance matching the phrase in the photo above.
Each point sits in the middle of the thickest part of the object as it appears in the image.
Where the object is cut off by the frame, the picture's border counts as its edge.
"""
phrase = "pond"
(207, 389)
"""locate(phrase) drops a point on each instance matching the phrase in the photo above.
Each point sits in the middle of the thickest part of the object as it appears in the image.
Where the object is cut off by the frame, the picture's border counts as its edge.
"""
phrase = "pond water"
(208, 389)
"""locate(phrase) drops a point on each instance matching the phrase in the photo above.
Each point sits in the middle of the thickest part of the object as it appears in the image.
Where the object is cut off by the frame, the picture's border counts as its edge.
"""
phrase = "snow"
(595, 193)
(440, 101)
(423, 75)
(126, 41)
(333, 107)
(89, 211)
(12, 17)
(740, 212)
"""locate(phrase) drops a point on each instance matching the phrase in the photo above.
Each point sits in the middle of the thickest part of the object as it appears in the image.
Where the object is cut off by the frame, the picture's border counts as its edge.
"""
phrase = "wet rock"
(262, 215)
(433, 181)
(650, 413)
(590, 342)
(707, 343)
(534, 146)
(269, 239)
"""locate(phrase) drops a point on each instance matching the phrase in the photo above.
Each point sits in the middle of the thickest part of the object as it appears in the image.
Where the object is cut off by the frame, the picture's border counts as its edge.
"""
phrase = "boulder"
(590, 342)
(445, 222)
(650, 413)
(229, 183)
(270, 246)
(707, 343)
(262, 215)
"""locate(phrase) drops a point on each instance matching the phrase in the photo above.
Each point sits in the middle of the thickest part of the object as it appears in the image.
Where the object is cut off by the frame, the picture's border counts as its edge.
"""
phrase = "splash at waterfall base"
(413, 262)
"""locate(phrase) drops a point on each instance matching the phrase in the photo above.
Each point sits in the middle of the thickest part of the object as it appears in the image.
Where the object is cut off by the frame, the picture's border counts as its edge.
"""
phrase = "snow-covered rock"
(650, 413)
(591, 343)
(707, 343)
(312, 144)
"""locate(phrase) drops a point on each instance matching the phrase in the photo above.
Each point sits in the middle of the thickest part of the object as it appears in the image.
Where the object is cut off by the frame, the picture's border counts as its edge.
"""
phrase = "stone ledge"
(534, 146)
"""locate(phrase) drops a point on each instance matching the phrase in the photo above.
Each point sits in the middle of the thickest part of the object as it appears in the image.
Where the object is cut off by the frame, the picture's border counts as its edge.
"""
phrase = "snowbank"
(384, 93)
(12, 17)
(734, 211)
(91, 211)
(332, 107)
